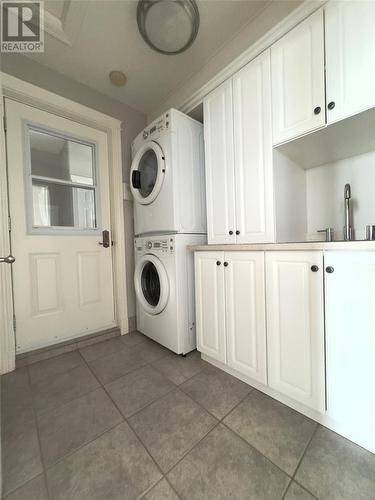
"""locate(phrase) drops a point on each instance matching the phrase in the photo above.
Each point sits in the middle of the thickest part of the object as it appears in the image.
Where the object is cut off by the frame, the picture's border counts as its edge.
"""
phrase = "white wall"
(325, 194)
(132, 123)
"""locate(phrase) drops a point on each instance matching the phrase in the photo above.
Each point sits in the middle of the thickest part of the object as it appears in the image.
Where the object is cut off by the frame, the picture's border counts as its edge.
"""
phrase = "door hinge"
(5, 123)
(14, 322)
(9, 223)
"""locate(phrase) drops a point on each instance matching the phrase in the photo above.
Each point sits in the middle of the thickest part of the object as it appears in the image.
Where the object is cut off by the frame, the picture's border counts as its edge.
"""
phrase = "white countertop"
(305, 245)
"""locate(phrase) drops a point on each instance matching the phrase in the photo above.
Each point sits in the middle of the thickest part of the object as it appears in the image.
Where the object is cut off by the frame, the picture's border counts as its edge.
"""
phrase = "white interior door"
(59, 206)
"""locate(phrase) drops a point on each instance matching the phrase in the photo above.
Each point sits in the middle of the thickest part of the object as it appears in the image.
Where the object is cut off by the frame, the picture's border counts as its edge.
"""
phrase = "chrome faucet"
(348, 230)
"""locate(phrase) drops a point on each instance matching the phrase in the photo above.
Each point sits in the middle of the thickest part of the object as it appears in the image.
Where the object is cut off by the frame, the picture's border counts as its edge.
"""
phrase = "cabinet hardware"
(317, 110)
(314, 269)
(218, 262)
(329, 269)
(331, 105)
(225, 264)
(237, 232)
(230, 232)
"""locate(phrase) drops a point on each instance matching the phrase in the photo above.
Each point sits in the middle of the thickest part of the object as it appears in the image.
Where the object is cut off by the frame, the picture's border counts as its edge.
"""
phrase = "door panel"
(298, 80)
(245, 314)
(210, 304)
(59, 205)
(253, 151)
(295, 326)
(350, 54)
(219, 162)
(350, 337)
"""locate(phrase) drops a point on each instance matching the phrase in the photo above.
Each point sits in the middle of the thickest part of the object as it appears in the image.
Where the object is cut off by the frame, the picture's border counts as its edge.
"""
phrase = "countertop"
(305, 245)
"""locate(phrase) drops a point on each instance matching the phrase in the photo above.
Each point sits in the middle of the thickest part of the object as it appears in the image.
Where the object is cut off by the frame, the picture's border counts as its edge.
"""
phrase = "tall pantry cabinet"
(238, 146)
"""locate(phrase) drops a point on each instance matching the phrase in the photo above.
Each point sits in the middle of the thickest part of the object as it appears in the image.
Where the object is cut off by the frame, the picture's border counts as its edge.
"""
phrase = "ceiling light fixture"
(168, 26)
(117, 77)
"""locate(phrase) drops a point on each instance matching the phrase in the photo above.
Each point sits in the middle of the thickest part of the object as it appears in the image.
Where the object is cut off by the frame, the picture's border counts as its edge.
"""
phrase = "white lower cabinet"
(295, 326)
(230, 310)
(350, 340)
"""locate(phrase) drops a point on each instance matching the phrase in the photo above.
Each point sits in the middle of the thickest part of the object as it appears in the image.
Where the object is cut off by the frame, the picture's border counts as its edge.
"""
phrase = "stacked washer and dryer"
(168, 187)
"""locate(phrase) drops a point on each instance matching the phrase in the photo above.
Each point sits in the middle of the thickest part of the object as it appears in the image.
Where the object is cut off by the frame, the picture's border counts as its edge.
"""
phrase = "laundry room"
(187, 250)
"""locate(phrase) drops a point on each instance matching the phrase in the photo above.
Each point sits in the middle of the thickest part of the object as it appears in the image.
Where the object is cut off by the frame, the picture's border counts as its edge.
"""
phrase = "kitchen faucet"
(348, 230)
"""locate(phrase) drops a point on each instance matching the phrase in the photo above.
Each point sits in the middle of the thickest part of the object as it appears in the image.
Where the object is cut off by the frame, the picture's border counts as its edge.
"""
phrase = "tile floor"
(126, 419)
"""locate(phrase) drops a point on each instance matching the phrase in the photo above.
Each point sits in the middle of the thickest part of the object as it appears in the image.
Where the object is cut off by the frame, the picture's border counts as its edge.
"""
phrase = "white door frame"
(26, 93)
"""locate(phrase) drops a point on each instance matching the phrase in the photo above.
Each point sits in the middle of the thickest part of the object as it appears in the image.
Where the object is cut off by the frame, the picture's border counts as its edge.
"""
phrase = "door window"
(150, 284)
(62, 179)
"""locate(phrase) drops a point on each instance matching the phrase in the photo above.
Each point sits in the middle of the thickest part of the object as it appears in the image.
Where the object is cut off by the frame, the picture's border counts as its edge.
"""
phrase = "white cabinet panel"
(253, 151)
(210, 304)
(350, 56)
(245, 314)
(297, 62)
(350, 338)
(295, 326)
(219, 162)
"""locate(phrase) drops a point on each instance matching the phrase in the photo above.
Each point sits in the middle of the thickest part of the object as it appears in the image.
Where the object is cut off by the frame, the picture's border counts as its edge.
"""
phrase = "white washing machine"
(164, 285)
(167, 176)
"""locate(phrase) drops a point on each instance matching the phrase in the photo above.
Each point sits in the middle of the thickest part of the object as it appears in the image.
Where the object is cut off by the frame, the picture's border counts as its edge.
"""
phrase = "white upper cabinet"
(253, 152)
(350, 57)
(295, 325)
(298, 97)
(219, 161)
(245, 314)
(210, 304)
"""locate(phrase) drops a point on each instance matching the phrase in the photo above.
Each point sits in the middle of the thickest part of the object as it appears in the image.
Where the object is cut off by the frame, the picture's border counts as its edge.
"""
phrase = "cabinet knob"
(225, 264)
(331, 105)
(218, 262)
(317, 110)
(329, 269)
(230, 232)
(237, 232)
(314, 269)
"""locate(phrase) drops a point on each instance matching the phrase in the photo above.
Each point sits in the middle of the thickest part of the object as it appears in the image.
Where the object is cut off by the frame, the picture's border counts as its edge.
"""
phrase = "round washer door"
(151, 284)
(147, 173)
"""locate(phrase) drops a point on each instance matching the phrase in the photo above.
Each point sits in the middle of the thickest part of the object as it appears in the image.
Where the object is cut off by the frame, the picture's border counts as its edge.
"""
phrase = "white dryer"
(164, 285)
(167, 176)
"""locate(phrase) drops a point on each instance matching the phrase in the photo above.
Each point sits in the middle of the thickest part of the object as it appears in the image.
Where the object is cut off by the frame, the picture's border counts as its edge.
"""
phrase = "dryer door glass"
(150, 284)
(148, 172)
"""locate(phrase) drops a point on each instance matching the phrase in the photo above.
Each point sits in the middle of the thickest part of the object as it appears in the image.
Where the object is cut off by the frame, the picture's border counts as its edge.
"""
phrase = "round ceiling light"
(168, 26)
(118, 78)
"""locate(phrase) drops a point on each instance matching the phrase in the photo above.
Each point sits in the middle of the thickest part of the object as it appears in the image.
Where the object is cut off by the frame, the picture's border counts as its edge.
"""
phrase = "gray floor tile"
(53, 352)
(101, 349)
(70, 426)
(296, 492)
(170, 427)
(139, 388)
(223, 466)
(179, 368)
(274, 429)
(33, 490)
(162, 491)
(149, 351)
(21, 458)
(116, 365)
(54, 366)
(114, 466)
(334, 468)
(216, 390)
(60, 389)
(132, 339)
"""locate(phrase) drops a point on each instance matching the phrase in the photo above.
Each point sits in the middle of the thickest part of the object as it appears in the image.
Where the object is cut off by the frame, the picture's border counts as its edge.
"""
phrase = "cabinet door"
(245, 313)
(298, 99)
(253, 151)
(295, 327)
(210, 304)
(219, 162)
(350, 339)
(350, 53)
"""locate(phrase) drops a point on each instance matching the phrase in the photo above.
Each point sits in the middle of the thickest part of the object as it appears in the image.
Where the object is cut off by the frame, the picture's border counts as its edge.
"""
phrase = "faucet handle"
(329, 233)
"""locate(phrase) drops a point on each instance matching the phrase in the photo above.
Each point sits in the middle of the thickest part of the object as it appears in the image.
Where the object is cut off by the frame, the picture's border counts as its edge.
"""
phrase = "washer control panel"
(154, 245)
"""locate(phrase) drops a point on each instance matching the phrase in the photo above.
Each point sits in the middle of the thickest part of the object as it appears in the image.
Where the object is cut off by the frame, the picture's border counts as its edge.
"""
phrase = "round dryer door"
(147, 173)
(151, 284)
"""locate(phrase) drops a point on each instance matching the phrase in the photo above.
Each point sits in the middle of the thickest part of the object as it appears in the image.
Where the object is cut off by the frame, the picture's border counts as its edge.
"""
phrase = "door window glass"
(63, 181)
(150, 284)
(148, 169)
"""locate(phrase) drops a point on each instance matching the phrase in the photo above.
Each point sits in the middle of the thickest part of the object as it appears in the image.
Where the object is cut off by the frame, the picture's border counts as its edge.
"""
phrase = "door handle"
(106, 243)
(136, 179)
(8, 260)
